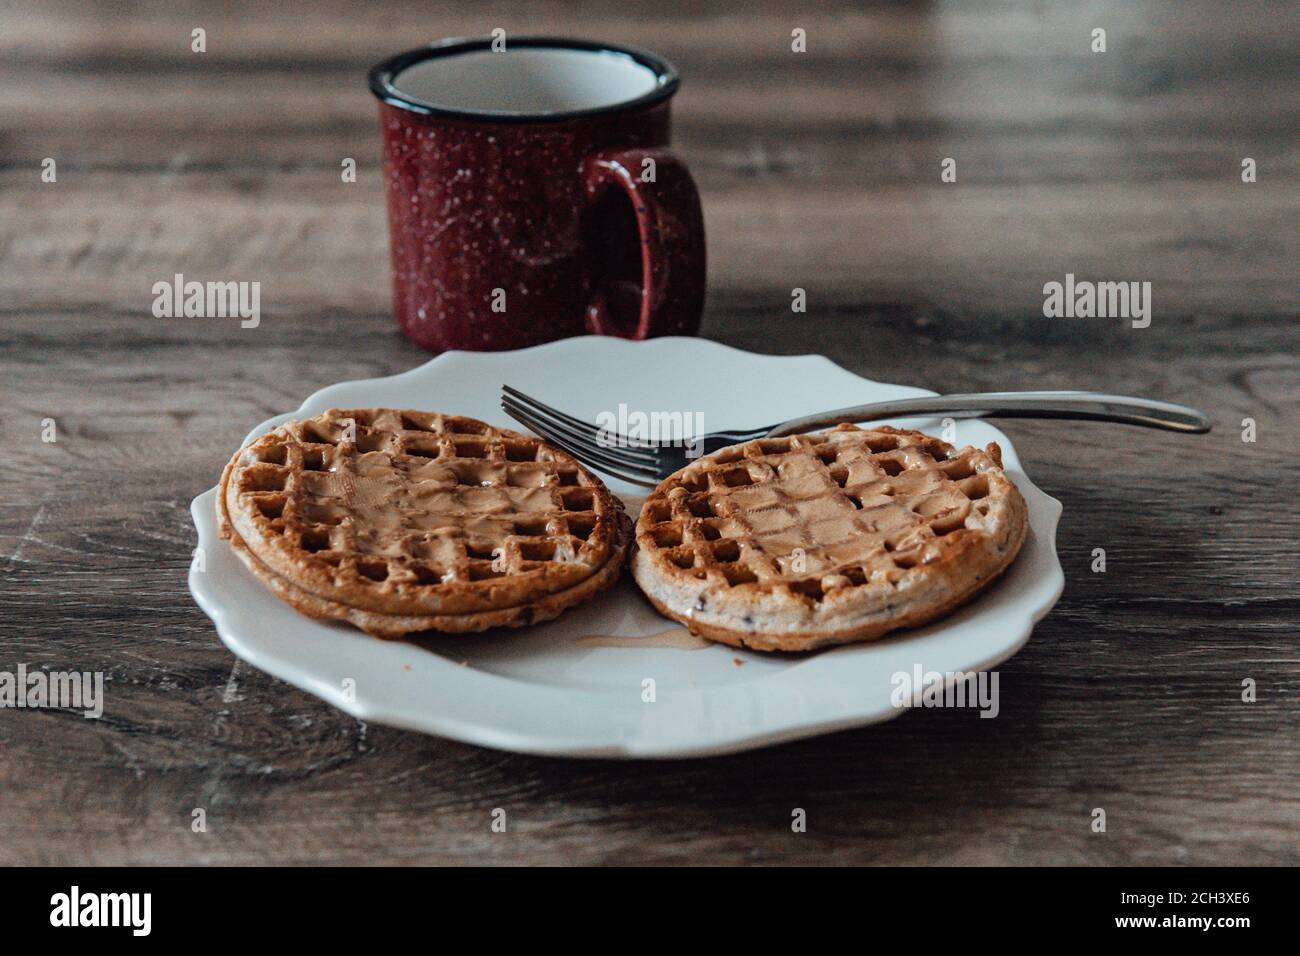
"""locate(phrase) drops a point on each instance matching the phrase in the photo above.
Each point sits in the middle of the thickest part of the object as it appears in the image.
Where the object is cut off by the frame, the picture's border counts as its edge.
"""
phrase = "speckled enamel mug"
(531, 194)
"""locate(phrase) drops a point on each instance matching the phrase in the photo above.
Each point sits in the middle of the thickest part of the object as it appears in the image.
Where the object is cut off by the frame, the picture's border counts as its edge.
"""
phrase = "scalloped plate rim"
(625, 739)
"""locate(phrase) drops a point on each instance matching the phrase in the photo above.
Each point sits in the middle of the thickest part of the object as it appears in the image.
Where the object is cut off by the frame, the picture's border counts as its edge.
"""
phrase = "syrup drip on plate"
(677, 638)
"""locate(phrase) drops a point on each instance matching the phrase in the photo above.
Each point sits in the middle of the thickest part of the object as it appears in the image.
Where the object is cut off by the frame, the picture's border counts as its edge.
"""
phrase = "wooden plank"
(314, 241)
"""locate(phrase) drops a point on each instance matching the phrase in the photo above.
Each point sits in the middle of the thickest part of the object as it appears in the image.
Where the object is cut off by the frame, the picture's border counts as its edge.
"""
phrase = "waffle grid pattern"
(422, 504)
(814, 514)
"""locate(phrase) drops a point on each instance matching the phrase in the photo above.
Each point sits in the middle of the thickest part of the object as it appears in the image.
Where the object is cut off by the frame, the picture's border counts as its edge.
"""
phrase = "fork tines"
(605, 451)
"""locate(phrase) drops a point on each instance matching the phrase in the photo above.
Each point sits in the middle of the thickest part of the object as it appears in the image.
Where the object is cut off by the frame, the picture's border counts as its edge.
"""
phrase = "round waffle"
(801, 542)
(402, 521)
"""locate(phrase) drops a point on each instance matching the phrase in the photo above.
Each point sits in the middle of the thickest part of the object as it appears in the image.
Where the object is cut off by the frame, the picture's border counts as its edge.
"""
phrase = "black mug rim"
(383, 74)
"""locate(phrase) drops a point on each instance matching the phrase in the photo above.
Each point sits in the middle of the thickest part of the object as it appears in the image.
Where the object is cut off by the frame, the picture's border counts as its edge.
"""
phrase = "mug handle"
(671, 228)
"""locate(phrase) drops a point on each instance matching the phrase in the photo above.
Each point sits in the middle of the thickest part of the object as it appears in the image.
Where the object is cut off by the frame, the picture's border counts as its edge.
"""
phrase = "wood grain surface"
(818, 170)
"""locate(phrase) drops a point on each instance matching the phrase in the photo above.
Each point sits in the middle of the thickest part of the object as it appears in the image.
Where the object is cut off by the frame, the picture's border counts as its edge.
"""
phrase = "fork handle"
(1092, 406)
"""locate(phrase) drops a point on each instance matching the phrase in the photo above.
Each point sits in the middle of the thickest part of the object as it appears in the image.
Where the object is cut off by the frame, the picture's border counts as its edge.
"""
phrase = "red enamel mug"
(531, 194)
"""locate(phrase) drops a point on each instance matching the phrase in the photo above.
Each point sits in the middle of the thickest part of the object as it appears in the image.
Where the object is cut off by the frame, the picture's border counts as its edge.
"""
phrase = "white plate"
(539, 690)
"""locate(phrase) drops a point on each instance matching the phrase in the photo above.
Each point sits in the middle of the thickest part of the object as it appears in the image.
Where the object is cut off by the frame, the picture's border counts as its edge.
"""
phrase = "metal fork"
(645, 463)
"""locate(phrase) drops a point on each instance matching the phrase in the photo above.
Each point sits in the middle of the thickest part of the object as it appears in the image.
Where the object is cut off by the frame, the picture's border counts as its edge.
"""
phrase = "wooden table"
(819, 170)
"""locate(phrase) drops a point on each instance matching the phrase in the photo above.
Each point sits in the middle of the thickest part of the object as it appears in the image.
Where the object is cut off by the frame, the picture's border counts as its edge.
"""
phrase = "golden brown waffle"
(801, 542)
(402, 521)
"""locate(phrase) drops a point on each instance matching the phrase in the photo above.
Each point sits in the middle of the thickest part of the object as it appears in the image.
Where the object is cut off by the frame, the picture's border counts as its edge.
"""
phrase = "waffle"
(402, 521)
(796, 543)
